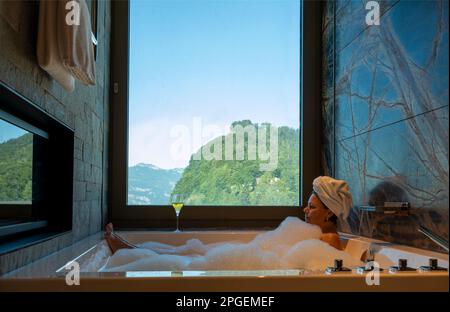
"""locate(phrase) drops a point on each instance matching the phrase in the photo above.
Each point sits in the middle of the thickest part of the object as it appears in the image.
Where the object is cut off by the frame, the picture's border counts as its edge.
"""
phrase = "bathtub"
(49, 274)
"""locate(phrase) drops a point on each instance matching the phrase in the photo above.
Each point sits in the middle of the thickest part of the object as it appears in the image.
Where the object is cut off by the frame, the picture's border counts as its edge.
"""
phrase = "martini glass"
(177, 201)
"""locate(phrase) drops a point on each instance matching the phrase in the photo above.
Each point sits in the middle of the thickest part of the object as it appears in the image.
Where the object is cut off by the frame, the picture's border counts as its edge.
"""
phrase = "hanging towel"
(47, 45)
(75, 41)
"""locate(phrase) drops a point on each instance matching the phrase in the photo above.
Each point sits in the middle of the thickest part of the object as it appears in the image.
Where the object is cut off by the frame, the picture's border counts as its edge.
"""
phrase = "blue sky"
(220, 61)
(9, 131)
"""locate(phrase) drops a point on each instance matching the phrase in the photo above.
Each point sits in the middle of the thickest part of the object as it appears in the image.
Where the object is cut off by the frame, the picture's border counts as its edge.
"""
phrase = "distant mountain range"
(150, 185)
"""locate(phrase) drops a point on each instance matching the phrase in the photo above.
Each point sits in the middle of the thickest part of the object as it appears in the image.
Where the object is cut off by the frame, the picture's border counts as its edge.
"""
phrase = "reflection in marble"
(392, 72)
(389, 164)
(351, 19)
(389, 110)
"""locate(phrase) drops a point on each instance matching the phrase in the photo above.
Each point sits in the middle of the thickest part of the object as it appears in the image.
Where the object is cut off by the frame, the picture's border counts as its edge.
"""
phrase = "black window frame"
(50, 211)
(217, 217)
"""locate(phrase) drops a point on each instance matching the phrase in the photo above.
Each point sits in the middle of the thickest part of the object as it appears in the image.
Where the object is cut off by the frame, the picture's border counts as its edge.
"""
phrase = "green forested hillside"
(205, 182)
(241, 182)
(16, 157)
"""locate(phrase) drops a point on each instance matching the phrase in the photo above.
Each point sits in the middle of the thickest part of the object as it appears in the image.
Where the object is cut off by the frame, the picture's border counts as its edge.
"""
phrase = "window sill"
(20, 227)
(27, 239)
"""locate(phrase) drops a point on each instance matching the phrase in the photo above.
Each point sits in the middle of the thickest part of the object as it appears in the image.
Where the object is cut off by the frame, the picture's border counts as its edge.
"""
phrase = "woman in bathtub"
(330, 200)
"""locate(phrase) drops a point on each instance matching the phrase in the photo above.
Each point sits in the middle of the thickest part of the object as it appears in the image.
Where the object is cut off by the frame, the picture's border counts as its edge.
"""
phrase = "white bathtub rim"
(34, 269)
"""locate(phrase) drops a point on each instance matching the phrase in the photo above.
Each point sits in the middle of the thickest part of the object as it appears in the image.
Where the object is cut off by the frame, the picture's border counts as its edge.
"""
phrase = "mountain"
(242, 182)
(150, 185)
(16, 168)
(205, 182)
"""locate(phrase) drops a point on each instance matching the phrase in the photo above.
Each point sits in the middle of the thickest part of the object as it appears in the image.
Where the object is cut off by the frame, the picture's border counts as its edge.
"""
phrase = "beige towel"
(47, 45)
(75, 42)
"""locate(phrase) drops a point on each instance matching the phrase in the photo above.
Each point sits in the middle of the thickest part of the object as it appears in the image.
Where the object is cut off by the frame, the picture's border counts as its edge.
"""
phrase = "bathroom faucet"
(373, 249)
(434, 237)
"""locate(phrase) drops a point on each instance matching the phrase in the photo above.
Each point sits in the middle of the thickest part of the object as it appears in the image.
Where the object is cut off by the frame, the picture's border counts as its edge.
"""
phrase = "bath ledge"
(48, 266)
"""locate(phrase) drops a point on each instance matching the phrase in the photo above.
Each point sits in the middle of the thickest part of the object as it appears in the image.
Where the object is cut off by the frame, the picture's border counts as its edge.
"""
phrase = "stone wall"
(85, 110)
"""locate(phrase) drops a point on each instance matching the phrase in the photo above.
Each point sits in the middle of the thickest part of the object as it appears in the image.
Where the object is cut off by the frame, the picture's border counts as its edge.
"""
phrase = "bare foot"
(108, 231)
(115, 242)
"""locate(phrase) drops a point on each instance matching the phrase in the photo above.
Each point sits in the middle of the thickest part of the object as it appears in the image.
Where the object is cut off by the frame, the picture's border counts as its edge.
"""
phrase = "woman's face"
(316, 213)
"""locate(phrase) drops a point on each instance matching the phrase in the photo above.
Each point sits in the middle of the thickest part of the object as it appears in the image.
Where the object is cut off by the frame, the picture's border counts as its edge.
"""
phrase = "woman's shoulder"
(332, 239)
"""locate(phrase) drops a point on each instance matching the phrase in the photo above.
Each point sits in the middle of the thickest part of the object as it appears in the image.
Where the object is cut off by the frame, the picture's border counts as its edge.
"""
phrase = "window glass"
(214, 109)
(16, 164)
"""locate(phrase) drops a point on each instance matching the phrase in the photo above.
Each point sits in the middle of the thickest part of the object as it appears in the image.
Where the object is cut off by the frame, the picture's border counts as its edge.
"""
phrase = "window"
(209, 105)
(36, 170)
(21, 181)
(213, 103)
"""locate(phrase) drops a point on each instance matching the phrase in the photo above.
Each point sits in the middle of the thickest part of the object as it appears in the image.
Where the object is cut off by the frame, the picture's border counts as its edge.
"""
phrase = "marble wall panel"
(388, 107)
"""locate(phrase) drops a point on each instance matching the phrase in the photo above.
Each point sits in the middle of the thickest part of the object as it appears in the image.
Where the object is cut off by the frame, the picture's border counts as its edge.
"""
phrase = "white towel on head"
(335, 194)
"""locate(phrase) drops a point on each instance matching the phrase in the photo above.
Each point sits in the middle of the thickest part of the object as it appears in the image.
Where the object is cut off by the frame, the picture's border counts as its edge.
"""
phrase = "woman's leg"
(114, 241)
